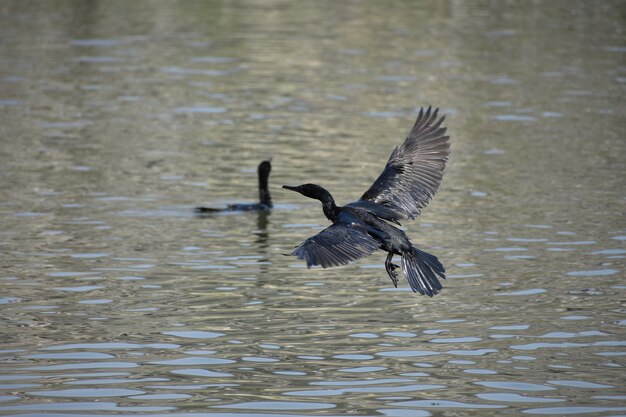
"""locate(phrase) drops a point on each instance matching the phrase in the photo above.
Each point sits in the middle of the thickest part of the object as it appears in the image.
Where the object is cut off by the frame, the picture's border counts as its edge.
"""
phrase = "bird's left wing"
(338, 244)
(414, 169)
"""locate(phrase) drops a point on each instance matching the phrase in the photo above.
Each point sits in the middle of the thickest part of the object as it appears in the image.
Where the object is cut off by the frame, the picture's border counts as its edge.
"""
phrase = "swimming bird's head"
(312, 191)
(264, 168)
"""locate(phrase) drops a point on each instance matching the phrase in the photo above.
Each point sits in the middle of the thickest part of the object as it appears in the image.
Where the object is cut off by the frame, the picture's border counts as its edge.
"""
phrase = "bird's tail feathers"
(422, 271)
(206, 210)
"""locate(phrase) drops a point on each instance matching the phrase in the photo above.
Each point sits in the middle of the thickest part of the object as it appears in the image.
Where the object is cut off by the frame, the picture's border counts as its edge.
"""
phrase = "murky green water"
(117, 118)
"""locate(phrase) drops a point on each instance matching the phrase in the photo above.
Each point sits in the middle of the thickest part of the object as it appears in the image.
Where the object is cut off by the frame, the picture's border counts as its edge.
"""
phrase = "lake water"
(117, 118)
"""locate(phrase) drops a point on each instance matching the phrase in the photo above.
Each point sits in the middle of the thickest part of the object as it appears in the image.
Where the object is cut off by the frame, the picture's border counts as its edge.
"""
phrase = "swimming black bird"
(408, 182)
(265, 200)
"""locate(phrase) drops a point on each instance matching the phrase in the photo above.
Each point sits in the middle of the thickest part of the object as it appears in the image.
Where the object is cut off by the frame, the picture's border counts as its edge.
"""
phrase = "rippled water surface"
(117, 118)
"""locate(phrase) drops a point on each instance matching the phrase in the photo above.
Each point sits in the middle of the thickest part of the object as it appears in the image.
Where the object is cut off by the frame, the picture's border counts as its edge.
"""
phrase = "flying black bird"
(265, 200)
(408, 182)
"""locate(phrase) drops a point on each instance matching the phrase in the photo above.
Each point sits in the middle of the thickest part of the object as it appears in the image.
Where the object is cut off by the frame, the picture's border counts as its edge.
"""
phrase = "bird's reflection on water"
(262, 235)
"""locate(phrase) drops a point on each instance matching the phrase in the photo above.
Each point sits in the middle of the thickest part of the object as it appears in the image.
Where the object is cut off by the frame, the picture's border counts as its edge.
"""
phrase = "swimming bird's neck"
(264, 192)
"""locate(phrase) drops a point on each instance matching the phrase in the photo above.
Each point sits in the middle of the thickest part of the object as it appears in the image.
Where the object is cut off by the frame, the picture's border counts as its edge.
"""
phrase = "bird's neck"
(331, 211)
(264, 192)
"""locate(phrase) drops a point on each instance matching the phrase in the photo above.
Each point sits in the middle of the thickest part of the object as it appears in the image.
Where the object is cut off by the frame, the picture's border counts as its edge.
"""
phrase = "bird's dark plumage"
(265, 199)
(414, 169)
(336, 245)
(408, 182)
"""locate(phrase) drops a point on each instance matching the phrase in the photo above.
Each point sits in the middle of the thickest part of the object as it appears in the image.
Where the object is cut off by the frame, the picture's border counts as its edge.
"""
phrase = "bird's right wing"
(338, 244)
(414, 169)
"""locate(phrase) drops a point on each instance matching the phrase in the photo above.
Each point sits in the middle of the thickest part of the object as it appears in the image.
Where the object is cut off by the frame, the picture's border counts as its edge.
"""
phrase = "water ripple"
(194, 360)
(566, 411)
(113, 345)
(435, 403)
(194, 334)
(201, 373)
(515, 398)
(468, 339)
(407, 353)
(72, 355)
(90, 365)
(375, 390)
(579, 384)
(593, 273)
(80, 406)
(88, 392)
(535, 346)
(277, 405)
(516, 386)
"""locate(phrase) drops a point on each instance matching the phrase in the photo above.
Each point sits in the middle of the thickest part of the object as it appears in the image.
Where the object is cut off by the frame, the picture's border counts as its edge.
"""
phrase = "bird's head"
(264, 168)
(312, 191)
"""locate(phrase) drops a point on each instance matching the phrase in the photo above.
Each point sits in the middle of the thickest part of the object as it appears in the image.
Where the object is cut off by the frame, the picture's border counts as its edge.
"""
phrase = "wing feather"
(414, 169)
(338, 244)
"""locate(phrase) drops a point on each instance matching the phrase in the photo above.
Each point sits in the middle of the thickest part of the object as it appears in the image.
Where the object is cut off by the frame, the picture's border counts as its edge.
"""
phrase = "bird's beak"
(290, 187)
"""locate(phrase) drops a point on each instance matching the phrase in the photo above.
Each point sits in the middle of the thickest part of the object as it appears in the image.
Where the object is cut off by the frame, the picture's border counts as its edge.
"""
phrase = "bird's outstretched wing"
(414, 169)
(338, 244)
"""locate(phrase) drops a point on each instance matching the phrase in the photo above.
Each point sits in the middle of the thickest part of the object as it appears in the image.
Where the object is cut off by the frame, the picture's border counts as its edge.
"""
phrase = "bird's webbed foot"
(391, 269)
